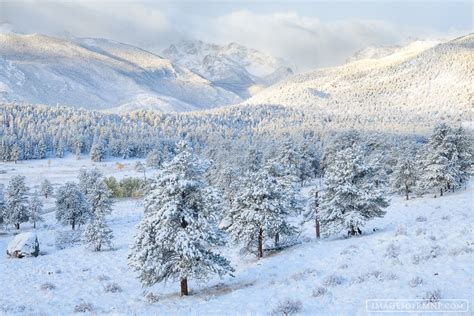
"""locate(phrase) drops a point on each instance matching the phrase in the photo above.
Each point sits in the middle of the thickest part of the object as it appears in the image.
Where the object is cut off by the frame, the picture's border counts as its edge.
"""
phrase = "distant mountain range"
(100, 74)
(234, 67)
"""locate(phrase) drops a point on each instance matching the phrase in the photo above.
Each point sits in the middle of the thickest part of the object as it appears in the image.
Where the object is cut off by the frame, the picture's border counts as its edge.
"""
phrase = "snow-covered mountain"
(412, 83)
(99, 74)
(233, 67)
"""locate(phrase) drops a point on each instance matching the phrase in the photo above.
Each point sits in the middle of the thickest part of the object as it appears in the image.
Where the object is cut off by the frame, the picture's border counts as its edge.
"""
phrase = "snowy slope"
(234, 67)
(415, 82)
(99, 74)
(427, 238)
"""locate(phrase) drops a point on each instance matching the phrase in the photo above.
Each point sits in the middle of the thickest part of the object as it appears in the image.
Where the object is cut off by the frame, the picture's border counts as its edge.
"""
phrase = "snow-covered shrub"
(68, 238)
(288, 307)
(446, 218)
(392, 276)
(83, 308)
(47, 286)
(415, 259)
(461, 250)
(436, 251)
(420, 231)
(378, 275)
(401, 230)
(112, 287)
(333, 280)
(319, 291)
(103, 277)
(415, 282)
(152, 298)
(360, 278)
(392, 251)
(343, 266)
(432, 237)
(432, 296)
(421, 219)
(303, 274)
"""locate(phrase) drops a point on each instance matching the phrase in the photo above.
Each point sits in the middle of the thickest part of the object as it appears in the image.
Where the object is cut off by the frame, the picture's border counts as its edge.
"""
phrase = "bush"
(112, 288)
(103, 277)
(415, 282)
(392, 251)
(333, 280)
(288, 307)
(319, 291)
(47, 286)
(126, 188)
(152, 298)
(400, 230)
(421, 219)
(83, 308)
(432, 296)
(68, 238)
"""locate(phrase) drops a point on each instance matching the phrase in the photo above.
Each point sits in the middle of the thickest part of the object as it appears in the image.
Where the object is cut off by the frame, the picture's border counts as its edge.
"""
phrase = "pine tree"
(464, 155)
(97, 151)
(405, 175)
(350, 197)
(261, 210)
(16, 202)
(46, 188)
(72, 207)
(441, 165)
(175, 238)
(312, 211)
(2, 207)
(35, 206)
(98, 234)
(154, 159)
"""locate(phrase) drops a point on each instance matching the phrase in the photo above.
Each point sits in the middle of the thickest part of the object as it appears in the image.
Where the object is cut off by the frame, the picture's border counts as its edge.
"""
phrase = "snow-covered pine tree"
(440, 166)
(46, 188)
(2, 207)
(465, 155)
(97, 233)
(261, 210)
(72, 207)
(97, 151)
(35, 207)
(312, 210)
(155, 159)
(175, 238)
(16, 202)
(349, 198)
(405, 173)
(140, 167)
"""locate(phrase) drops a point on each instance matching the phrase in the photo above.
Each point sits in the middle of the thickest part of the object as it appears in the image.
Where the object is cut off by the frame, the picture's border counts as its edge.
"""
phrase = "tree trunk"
(318, 230)
(441, 192)
(406, 191)
(184, 287)
(73, 225)
(260, 244)
(277, 239)
(17, 225)
(34, 224)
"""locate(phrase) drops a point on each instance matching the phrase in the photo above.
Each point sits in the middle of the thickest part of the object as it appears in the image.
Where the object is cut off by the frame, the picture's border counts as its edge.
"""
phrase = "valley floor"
(422, 245)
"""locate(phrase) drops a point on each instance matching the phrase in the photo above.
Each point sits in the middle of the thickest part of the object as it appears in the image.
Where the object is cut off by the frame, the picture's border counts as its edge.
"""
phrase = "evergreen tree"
(2, 207)
(261, 211)
(464, 151)
(404, 176)
(46, 188)
(176, 236)
(92, 184)
(154, 159)
(16, 202)
(35, 207)
(98, 234)
(97, 151)
(312, 211)
(441, 165)
(72, 207)
(350, 197)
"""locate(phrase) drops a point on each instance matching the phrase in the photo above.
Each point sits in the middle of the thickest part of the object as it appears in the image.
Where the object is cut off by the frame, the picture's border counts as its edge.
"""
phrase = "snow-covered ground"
(421, 245)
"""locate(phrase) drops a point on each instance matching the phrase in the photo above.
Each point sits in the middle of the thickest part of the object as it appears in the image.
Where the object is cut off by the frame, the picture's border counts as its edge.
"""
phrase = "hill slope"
(99, 74)
(428, 239)
(410, 84)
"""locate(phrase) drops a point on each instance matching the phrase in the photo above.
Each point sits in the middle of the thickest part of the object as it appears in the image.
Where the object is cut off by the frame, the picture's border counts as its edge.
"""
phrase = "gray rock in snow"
(23, 245)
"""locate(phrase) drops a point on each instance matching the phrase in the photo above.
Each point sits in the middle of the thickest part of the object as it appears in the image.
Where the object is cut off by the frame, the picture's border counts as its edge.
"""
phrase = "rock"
(24, 245)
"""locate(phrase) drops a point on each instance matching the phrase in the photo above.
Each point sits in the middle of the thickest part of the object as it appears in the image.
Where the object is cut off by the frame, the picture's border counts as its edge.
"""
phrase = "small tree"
(350, 198)
(97, 152)
(36, 206)
(312, 210)
(72, 206)
(46, 188)
(177, 236)
(404, 175)
(16, 202)
(97, 233)
(260, 210)
(2, 207)
(140, 167)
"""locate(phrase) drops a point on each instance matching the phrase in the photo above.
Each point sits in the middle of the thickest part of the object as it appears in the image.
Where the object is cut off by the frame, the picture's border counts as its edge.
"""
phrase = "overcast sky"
(306, 33)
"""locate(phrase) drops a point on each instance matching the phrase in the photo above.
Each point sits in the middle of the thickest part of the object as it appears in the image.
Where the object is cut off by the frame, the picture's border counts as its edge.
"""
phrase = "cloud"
(308, 42)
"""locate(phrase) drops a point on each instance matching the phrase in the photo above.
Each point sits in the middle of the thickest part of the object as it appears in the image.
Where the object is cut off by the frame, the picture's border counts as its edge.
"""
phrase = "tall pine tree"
(16, 202)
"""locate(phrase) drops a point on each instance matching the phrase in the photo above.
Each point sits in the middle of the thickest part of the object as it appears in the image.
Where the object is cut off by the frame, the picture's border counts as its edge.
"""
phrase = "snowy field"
(420, 246)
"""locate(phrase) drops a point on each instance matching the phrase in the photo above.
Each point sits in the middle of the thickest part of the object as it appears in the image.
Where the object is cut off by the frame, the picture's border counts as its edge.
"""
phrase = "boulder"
(23, 245)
